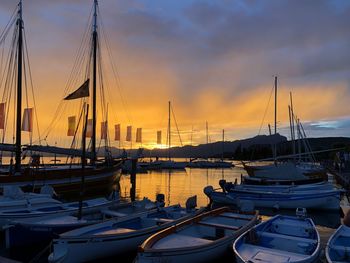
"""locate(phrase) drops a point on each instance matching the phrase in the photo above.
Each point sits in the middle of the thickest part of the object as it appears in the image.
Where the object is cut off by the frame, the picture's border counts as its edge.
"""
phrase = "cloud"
(215, 60)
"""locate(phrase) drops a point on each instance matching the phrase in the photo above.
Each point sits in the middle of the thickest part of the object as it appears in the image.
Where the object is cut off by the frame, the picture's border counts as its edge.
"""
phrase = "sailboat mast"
(94, 40)
(223, 145)
(206, 129)
(276, 105)
(19, 89)
(275, 146)
(169, 133)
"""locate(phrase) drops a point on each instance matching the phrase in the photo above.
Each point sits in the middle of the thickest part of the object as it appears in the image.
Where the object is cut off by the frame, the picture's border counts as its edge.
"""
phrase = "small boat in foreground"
(8, 216)
(204, 238)
(338, 246)
(117, 236)
(279, 239)
(42, 230)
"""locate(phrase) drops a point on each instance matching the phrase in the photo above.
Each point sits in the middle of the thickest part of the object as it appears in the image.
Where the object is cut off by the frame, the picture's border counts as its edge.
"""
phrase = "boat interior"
(281, 240)
(204, 231)
(339, 250)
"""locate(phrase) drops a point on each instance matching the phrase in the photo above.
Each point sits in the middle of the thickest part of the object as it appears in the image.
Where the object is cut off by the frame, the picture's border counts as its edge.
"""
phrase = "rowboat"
(204, 238)
(116, 236)
(8, 216)
(14, 197)
(31, 231)
(312, 199)
(338, 246)
(279, 239)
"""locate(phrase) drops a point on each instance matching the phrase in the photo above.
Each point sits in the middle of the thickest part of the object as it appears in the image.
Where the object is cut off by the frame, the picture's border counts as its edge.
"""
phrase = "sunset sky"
(214, 60)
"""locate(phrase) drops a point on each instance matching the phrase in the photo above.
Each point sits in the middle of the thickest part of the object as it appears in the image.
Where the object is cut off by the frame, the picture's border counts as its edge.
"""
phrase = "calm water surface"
(177, 186)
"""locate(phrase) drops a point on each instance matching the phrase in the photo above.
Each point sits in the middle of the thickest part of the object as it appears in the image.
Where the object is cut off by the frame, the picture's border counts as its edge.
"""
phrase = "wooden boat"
(65, 178)
(338, 246)
(204, 238)
(115, 236)
(56, 209)
(279, 239)
(310, 199)
(42, 230)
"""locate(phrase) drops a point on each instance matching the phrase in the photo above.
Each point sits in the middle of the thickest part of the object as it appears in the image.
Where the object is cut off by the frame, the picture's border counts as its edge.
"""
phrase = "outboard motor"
(222, 184)
(301, 212)
(160, 200)
(208, 190)
(191, 203)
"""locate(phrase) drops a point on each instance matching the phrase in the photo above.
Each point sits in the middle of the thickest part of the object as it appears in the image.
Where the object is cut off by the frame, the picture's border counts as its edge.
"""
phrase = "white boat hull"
(320, 201)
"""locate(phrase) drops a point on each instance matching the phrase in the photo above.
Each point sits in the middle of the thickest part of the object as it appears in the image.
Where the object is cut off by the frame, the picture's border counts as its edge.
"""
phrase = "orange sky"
(216, 71)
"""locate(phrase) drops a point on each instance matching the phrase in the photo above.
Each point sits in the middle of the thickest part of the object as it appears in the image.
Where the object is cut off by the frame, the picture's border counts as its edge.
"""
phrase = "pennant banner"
(117, 132)
(104, 130)
(81, 92)
(139, 135)
(89, 128)
(128, 133)
(2, 115)
(71, 126)
(27, 121)
(159, 137)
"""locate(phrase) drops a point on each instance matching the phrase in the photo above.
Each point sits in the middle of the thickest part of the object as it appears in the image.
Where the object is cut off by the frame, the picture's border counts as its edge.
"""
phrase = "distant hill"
(257, 147)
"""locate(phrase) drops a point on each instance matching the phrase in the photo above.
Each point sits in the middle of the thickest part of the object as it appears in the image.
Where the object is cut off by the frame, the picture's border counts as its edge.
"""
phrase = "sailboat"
(290, 172)
(65, 178)
(206, 163)
(169, 163)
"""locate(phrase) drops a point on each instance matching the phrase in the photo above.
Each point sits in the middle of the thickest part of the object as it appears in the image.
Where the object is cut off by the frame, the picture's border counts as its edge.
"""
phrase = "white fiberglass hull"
(325, 201)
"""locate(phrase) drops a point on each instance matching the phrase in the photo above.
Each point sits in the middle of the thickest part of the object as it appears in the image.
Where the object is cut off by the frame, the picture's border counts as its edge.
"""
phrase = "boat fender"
(208, 190)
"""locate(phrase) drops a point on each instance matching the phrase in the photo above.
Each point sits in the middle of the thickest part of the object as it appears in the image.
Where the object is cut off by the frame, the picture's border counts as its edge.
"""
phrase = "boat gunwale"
(112, 221)
(313, 256)
(331, 240)
(147, 246)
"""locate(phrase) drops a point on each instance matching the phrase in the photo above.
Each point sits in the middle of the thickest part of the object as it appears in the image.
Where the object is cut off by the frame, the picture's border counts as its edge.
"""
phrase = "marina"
(268, 181)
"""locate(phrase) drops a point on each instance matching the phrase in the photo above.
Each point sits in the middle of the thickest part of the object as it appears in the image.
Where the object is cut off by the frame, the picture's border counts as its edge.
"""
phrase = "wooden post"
(133, 179)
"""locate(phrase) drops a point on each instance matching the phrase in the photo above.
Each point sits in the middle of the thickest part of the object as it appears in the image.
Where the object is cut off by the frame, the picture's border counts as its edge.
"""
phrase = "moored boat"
(8, 216)
(338, 245)
(279, 239)
(116, 236)
(310, 199)
(40, 230)
(204, 238)
(65, 178)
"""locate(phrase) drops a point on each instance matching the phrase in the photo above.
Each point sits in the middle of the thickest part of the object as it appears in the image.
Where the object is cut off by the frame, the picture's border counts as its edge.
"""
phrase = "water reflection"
(177, 186)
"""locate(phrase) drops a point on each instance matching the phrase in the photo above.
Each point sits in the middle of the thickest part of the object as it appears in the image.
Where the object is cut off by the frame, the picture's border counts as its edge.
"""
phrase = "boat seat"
(252, 253)
(177, 240)
(276, 235)
(235, 216)
(119, 230)
(113, 213)
(162, 220)
(211, 224)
